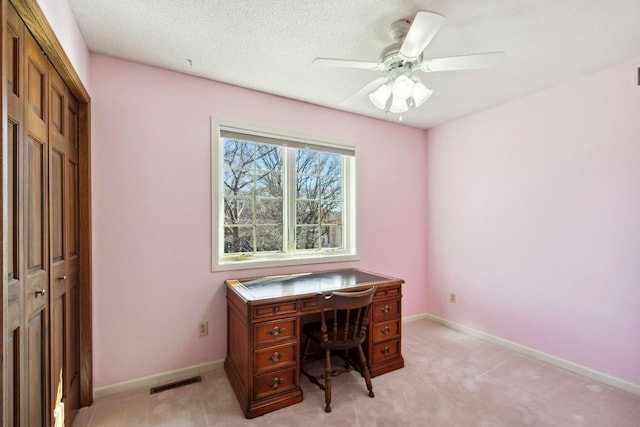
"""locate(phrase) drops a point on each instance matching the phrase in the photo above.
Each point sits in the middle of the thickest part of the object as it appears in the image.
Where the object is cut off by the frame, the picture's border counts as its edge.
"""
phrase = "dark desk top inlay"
(303, 283)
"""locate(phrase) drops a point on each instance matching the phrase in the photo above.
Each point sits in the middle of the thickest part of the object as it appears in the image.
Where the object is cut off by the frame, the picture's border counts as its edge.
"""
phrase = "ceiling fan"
(399, 89)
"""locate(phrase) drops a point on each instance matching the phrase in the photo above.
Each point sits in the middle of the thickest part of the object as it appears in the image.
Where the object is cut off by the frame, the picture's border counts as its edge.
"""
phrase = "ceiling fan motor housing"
(390, 55)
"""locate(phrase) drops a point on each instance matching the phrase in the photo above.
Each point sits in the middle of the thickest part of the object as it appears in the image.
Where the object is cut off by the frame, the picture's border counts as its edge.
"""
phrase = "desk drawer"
(271, 310)
(277, 382)
(386, 351)
(274, 331)
(386, 310)
(308, 304)
(392, 291)
(386, 331)
(274, 358)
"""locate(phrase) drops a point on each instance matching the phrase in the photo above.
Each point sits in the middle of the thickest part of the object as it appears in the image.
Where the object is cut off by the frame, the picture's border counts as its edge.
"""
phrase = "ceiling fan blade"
(364, 91)
(423, 28)
(346, 63)
(464, 62)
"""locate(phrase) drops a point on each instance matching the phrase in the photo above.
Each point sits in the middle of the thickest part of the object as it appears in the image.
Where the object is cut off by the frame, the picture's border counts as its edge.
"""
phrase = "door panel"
(57, 352)
(36, 203)
(14, 285)
(36, 368)
(57, 222)
(13, 378)
(36, 84)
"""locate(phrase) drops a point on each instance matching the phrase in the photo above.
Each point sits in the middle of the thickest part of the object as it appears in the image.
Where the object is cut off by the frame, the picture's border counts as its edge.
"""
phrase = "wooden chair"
(343, 326)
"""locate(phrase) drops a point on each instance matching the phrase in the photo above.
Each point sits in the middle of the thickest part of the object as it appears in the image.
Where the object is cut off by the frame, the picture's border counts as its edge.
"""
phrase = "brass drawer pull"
(275, 383)
(276, 309)
(386, 330)
(275, 331)
(385, 350)
(41, 292)
(275, 356)
(386, 309)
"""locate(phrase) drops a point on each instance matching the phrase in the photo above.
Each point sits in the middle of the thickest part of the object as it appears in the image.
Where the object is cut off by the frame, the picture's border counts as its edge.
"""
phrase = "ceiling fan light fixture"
(399, 105)
(420, 93)
(402, 90)
(380, 96)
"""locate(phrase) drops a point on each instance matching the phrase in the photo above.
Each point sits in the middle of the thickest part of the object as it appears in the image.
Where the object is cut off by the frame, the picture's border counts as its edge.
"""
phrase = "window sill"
(284, 262)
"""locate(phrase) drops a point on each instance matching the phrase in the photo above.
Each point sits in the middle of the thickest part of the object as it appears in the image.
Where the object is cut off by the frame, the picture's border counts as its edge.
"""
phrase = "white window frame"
(222, 262)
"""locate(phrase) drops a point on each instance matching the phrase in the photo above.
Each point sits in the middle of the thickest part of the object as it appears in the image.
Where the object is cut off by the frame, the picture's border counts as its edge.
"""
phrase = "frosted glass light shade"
(380, 96)
(399, 94)
(402, 87)
(420, 93)
(399, 105)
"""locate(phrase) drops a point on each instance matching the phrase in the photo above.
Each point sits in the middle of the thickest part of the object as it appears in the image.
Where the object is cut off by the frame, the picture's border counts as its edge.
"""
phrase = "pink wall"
(534, 221)
(532, 218)
(151, 170)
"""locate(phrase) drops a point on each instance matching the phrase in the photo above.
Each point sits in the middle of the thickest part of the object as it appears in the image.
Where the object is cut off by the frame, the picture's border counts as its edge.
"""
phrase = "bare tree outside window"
(255, 203)
(253, 199)
(319, 206)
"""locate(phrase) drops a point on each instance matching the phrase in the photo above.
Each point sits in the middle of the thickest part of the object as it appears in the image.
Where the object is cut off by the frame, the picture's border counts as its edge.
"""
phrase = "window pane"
(269, 184)
(307, 212)
(268, 157)
(238, 239)
(268, 238)
(238, 182)
(306, 162)
(331, 188)
(307, 187)
(331, 212)
(307, 238)
(238, 211)
(330, 164)
(331, 237)
(268, 211)
(238, 154)
(255, 173)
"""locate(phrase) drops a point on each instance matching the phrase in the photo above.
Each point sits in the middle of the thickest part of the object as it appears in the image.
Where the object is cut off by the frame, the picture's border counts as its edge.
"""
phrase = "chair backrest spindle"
(350, 315)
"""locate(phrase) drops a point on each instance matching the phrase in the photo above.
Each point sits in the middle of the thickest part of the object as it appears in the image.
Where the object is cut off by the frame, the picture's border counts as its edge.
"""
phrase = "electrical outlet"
(452, 297)
(203, 329)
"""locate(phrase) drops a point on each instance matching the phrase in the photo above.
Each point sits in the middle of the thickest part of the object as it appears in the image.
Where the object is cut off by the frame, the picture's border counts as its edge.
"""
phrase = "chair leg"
(327, 381)
(365, 370)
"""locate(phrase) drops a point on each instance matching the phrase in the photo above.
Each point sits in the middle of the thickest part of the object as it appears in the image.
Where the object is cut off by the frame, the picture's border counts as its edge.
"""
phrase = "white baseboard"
(178, 374)
(536, 354)
(414, 318)
(156, 379)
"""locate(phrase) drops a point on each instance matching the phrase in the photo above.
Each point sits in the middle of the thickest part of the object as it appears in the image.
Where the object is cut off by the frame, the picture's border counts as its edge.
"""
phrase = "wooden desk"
(264, 317)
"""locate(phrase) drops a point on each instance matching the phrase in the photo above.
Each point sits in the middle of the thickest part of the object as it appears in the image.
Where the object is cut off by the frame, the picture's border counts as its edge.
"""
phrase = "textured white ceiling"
(269, 45)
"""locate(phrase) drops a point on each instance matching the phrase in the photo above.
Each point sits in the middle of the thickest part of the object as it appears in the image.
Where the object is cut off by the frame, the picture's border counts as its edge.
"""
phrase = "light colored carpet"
(449, 380)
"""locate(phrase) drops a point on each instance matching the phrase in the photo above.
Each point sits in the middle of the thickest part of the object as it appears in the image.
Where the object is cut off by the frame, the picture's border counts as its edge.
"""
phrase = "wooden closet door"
(42, 346)
(57, 196)
(72, 283)
(36, 230)
(63, 196)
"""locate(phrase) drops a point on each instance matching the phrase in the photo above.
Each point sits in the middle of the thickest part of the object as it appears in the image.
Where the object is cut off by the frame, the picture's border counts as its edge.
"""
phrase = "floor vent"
(176, 384)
